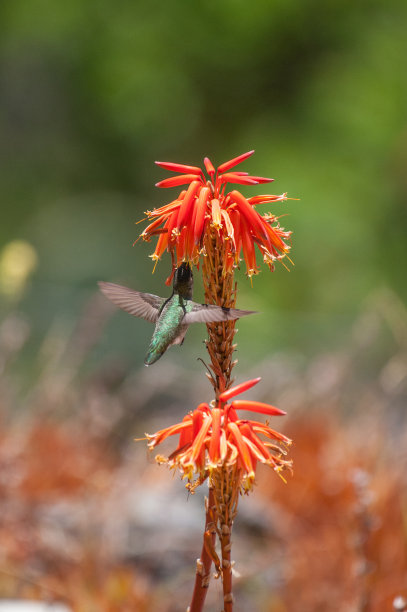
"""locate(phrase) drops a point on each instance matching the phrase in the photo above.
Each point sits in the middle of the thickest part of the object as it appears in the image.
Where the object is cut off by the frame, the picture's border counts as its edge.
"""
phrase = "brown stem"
(220, 289)
(226, 545)
(226, 489)
(204, 564)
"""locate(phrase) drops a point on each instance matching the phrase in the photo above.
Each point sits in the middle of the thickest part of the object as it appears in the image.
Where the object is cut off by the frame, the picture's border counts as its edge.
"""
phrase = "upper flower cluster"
(214, 437)
(206, 207)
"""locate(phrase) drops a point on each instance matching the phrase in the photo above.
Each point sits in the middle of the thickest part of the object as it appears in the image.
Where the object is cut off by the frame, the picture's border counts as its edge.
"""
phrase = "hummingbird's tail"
(152, 356)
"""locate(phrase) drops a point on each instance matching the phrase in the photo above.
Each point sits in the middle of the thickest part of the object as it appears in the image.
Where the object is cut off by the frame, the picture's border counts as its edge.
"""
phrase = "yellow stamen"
(278, 470)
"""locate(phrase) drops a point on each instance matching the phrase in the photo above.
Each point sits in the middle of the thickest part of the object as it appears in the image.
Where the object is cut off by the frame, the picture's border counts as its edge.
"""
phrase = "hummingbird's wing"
(206, 313)
(144, 305)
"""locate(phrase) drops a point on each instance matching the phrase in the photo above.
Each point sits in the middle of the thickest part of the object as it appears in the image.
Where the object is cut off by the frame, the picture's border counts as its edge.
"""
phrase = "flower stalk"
(208, 225)
(219, 289)
(226, 488)
(204, 563)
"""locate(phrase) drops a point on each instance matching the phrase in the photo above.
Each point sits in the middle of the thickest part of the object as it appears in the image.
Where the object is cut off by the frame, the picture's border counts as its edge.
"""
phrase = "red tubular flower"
(212, 437)
(205, 206)
(226, 395)
(257, 407)
(179, 167)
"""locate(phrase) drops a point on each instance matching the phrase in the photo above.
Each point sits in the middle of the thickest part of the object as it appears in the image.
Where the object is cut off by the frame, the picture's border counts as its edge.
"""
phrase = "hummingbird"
(171, 316)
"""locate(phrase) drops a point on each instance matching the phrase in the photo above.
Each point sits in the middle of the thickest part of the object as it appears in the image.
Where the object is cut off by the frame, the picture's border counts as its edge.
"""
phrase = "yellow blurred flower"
(18, 260)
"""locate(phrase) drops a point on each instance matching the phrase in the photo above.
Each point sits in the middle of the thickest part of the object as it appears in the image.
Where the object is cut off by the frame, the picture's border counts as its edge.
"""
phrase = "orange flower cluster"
(205, 205)
(210, 438)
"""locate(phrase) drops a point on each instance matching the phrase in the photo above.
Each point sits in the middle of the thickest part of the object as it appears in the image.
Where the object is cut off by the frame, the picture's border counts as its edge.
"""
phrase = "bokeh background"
(91, 93)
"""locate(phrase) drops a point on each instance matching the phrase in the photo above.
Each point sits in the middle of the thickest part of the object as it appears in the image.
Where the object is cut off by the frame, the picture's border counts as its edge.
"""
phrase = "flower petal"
(261, 446)
(162, 243)
(199, 441)
(253, 218)
(209, 166)
(185, 436)
(172, 225)
(151, 227)
(263, 199)
(261, 179)
(230, 230)
(174, 181)
(187, 204)
(243, 450)
(256, 453)
(161, 435)
(235, 219)
(249, 253)
(231, 177)
(181, 245)
(234, 162)
(168, 208)
(223, 445)
(253, 406)
(201, 208)
(275, 239)
(233, 453)
(214, 445)
(197, 418)
(216, 216)
(173, 167)
(270, 433)
(226, 395)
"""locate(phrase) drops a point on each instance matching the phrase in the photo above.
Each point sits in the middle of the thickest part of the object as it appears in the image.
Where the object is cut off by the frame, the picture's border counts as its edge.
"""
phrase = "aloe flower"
(206, 205)
(212, 437)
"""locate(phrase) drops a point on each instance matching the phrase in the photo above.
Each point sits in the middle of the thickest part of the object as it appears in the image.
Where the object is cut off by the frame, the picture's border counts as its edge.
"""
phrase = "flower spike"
(206, 206)
(212, 437)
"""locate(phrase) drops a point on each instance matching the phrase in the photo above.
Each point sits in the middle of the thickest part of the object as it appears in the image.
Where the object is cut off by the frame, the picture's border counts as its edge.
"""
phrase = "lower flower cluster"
(214, 436)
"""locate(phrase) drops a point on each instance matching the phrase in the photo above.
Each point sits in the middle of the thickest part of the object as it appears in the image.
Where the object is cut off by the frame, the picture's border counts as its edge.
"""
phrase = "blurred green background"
(93, 92)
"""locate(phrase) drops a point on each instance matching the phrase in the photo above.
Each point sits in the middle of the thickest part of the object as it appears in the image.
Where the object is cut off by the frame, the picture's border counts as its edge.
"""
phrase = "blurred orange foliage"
(338, 539)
